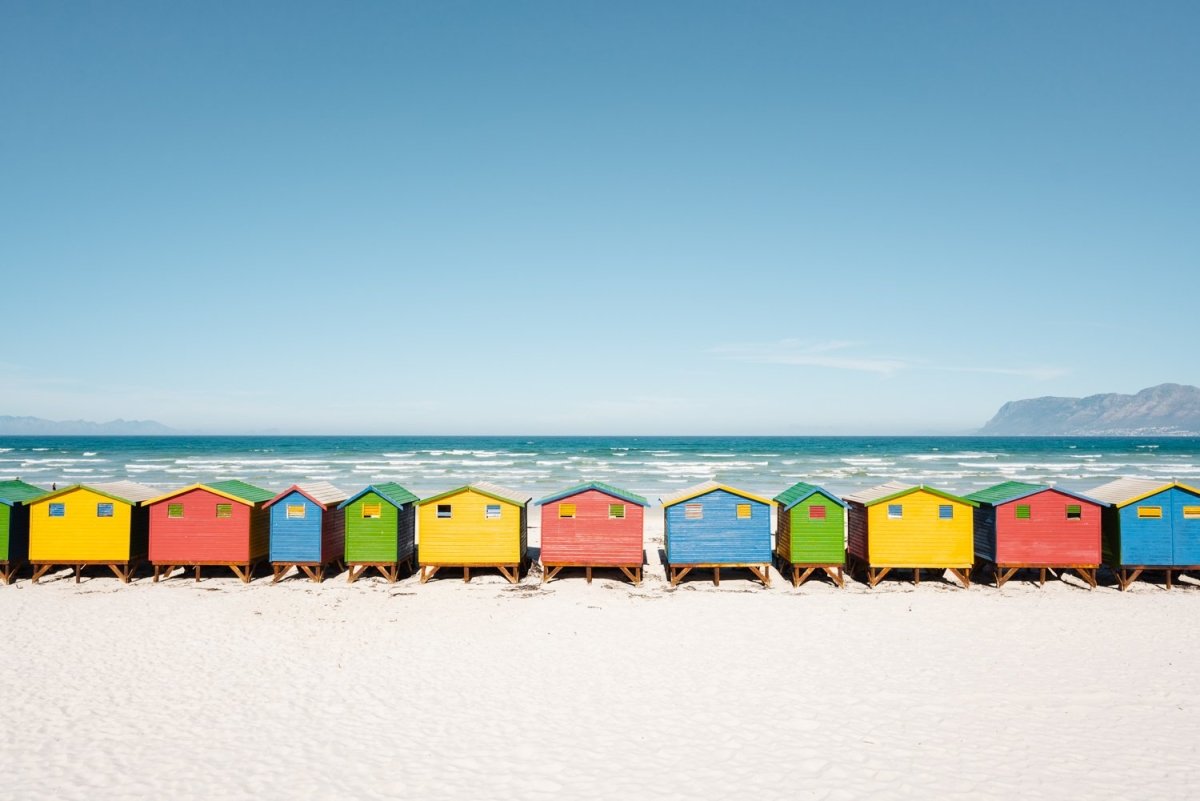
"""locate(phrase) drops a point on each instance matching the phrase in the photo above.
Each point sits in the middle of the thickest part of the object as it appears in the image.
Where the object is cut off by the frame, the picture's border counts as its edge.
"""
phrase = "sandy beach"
(453, 690)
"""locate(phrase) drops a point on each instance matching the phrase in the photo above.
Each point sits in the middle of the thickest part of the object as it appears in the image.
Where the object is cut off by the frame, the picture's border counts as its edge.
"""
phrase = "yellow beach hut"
(479, 525)
(905, 526)
(90, 524)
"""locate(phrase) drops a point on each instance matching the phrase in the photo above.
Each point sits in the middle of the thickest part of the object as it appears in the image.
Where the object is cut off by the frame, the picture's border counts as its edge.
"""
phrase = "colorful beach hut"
(910, 527)
(713, 526)
(308, 529)
(593, 525)
(14, 526)
(219, 524)
(479, 525)
(1149, 524)
(1020, 525)
(90, 524)
(381, 525)
(810, 533)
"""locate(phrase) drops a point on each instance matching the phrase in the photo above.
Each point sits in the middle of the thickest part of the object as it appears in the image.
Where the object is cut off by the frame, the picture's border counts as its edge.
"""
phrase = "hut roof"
(239, 491)
(127, 492)
(17, 491)
(800, 491)
(484, 488)
(704, 489)
(599, 486)
(322, 493)
(1009, 491)
(1125, 491)
(390, 491)
(898, 489)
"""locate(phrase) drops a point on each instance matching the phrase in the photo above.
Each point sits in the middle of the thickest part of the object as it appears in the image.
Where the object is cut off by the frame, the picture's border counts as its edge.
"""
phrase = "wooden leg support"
(40, 571)
(876, 575)
(762, 573)
(122, 572)
(244, 572)
(278, 572)
(838, 576)
(963, 575)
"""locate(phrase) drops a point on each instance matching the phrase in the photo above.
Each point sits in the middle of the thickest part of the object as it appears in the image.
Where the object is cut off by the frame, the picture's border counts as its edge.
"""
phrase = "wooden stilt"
(197, 574)
(963, 575)
(716, 576)
(1169, 571)
(588, 570)
(40, 571)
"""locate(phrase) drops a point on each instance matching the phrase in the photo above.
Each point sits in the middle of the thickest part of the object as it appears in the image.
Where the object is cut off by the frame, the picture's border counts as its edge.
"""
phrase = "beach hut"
(810, 533)
(14, 526)
(713, 526)
(1149, 524)
(593, 525)
(902, 526)
(1020, 525)
(90, 524)
(479, 525)
(308, 529)
(381, 524)
(218, 524)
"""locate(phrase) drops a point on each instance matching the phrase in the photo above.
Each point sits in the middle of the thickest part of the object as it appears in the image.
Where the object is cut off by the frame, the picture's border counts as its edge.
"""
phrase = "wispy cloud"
(847, 355)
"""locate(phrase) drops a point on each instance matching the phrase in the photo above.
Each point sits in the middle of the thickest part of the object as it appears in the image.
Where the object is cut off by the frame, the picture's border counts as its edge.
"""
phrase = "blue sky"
(598, 217)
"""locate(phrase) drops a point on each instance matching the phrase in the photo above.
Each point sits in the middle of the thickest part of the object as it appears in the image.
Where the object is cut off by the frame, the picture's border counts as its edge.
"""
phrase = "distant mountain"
(1165, 410)
(20, 426)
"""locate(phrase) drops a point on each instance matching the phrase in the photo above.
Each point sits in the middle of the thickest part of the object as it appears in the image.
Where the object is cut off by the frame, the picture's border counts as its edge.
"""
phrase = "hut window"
(174, 510)
(372, 511)
(693, 511)
(296, 511)
(224, 510)
(1023, 511)
(816, 512)
(565, 510)
(1074, 511)
(443, 511)
(945, 512)
(895, 511)
(104, 510)
(492, 511)
(58, 510)
(1150, 511)
(616, 511)
(743, 511)
(1191, 513)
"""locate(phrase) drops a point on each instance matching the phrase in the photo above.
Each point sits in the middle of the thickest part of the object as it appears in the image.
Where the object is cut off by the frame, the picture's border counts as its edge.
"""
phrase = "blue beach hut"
(308, 530)
(711, 525)
(1149, 524)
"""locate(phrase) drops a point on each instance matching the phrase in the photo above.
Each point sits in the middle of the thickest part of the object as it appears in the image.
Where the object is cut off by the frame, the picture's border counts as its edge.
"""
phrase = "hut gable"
(16, 492)
(389, 491)
(598, 486)
(321, 493)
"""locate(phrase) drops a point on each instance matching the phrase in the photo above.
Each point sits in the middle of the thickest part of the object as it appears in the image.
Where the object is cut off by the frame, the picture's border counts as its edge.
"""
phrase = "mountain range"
(21, 426)
(1164, 410)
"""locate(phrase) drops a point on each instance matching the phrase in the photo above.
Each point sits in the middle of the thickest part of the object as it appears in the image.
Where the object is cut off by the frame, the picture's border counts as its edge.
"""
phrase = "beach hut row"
(1132, 525)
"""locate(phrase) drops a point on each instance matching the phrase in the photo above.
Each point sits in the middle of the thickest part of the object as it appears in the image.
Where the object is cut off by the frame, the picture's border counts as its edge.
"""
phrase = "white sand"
(573, 691)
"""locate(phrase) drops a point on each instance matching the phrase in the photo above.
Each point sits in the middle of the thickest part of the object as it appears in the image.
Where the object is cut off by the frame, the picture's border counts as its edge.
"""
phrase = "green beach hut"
(380, 530)
(14, 526)
(810, 533)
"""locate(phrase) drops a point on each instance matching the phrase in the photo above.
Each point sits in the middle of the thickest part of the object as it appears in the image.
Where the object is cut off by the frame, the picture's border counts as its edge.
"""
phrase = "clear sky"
(594, 217)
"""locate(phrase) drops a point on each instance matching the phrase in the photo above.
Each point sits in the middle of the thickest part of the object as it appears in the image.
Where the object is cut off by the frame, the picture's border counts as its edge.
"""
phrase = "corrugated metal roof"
(486, 488)
(17, 491)
(704, 489)
(390, 491)
(897, 489)
(175, 493)
(1127, 490)
(129, 491)
(802, 490)
(247, 492)
(1005, 491)
(599, 486)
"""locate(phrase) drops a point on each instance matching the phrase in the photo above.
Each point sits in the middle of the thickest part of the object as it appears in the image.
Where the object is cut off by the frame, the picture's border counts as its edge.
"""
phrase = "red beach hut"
(223, 523)
(593, 525)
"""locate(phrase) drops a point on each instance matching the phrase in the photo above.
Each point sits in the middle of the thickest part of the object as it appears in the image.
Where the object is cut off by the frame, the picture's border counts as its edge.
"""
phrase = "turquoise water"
(646, 465)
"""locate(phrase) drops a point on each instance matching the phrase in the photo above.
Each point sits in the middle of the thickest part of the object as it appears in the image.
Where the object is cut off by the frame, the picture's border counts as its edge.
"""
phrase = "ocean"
(649, 466)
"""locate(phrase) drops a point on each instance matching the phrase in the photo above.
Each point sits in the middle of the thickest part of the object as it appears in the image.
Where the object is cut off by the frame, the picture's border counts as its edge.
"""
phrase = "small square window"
(1150, 511)
(693, 511)
(104, 510)
(895, 511)
(492, 511)
(1074, 511)
(945, 512)
(616, 511)
(566, 510)
(816, 512)
(372, 511)
(443, 511)
(175, 510)
(224, 510)
(743, 511)
(58, 510)
(1191, 513)
(1023, 511)
(296, 511)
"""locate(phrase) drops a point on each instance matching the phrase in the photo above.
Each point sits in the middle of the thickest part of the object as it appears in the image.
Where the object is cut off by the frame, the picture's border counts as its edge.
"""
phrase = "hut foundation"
(1004, 572)
(243, 570)
(552, 569)
(762, 572)
(389, 570)
(316, 571)
(122, 570)
(512, 572)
